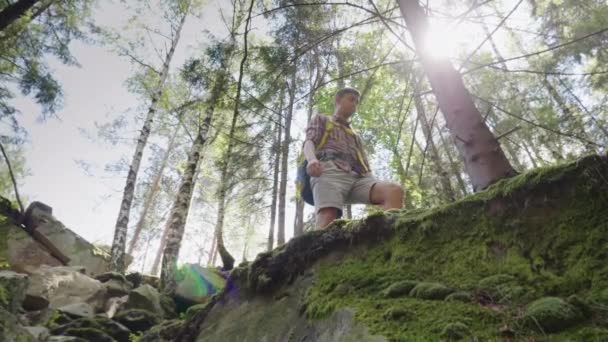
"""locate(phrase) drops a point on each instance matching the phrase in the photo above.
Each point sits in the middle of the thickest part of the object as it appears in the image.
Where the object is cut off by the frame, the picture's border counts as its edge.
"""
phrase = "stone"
(144, 297)
(10, 330)
(194, 309)
(115, 283)
(196, 283)
(61, 286)
(459, 296)
(37, 317)
(65, 339)
(114, 329)
(19, 251)
(138, 279)
(77, 310)
(433, 291)
(166, 331)
(39, 333)
(400, 288)
(81, 252)
(90, 334)
(12, 290)
(137, 320)
(397, 314)
(551, 314)
(57, 319)
(114, 304)
(503, 288)
(455, 331)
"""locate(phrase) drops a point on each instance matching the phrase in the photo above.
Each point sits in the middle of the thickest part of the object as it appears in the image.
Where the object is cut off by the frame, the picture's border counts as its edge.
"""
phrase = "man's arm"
(309, 151)
(314, 132)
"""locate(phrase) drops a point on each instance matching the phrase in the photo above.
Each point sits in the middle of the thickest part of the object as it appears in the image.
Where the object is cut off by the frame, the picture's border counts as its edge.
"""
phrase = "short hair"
(348, 90)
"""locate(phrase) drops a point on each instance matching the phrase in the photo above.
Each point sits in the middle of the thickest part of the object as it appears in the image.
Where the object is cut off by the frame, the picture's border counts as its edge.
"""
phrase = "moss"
(434, 291)
(400, 288)
(551, 314)
(460, 296)
(90, 334)
(534, 235)
(4, 301)
(455, 331)
(397, 314)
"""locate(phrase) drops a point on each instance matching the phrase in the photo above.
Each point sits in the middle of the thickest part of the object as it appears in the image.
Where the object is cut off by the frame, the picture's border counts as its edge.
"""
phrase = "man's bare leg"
(325, 216)
(388, 195)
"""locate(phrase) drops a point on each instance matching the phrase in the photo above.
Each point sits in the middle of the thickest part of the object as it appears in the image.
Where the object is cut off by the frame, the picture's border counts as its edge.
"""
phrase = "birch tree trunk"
(181, 206)
(285, 161)
(275, 180)
(120, 231)
(485, 162)
(153, 192)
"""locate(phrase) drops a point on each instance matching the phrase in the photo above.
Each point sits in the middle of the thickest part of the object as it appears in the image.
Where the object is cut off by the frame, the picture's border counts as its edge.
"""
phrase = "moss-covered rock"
(434, 291)
(137, 320)
(459, 296)
(551, 314)
(455, 331)
(89, 334)
(398, 314)
(114, 329)
(164, 332)
(399, 289)
(10, 330)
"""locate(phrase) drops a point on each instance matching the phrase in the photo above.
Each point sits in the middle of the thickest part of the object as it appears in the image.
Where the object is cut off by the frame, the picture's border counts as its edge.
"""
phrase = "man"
(339, 171)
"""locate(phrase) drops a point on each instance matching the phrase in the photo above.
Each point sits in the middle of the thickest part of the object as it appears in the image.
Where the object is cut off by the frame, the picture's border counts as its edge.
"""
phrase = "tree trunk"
(213, 251)
(444, 177)
(484, 159)
(454, 167)
(285, 161)
(181, 206)
(151, 198)
(275, 180)
(159, 252)
(120, 231)
(227, 259)
(12, 12)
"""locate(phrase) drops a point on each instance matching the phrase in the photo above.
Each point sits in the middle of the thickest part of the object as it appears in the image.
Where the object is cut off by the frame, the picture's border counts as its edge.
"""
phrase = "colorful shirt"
(340, 142)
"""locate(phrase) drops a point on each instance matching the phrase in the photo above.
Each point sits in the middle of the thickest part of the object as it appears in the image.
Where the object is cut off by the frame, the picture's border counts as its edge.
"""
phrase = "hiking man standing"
(339, 171)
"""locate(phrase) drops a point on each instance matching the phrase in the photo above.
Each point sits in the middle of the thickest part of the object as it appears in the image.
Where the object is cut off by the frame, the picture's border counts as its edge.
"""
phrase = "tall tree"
(117, 261)
(484, 159)
(276, 152)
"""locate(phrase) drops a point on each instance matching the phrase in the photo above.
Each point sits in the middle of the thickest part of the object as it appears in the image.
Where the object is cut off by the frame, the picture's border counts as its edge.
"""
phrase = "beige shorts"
(336, 187)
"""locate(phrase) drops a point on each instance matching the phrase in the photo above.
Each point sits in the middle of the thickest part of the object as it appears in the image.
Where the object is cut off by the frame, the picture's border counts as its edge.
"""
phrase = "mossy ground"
(539, 234)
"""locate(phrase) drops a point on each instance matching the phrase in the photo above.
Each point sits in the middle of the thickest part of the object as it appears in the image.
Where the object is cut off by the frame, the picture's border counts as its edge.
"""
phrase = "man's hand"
(314, 168)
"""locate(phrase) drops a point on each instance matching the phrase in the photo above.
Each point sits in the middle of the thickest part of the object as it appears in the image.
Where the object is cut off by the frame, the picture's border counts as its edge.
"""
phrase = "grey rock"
(14, 285)
(40, 333)
(77, 310)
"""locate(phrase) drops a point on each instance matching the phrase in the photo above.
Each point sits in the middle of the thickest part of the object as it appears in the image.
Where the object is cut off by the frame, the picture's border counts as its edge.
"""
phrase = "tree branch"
(10, 171)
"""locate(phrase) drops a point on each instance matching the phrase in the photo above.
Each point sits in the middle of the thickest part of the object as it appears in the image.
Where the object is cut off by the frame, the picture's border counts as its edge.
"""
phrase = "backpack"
(303, 187)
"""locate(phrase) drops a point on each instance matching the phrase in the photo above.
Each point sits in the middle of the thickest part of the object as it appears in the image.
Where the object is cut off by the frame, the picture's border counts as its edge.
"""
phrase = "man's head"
(346, 102)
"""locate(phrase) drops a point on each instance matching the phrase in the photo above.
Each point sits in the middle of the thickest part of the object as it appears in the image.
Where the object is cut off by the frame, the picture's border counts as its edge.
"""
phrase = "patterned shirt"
(339, 142)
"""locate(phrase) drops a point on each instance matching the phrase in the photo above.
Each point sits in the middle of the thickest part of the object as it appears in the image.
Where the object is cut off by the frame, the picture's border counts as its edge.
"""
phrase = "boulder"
(144, 297)
(137, 320)
(87, 327)
(433, 291)
(114, 304)
(10, 330)
(61, 286)
(80, 252)
(65, 339)
(12, 290)
(115, 283)
(77, 310)
(39, 333)
(551, 314)
(166, 331)
(196, 284)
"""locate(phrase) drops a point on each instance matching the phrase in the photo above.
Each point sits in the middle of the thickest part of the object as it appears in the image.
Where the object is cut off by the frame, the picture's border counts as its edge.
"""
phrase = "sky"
(95, 92)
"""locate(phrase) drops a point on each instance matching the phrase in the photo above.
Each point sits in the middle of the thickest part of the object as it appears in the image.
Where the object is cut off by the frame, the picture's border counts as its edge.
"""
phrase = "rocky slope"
(524, 260)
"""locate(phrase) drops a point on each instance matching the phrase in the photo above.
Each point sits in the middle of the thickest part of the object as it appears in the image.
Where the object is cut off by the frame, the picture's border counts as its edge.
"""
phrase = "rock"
(169, 307)
(194, 309)
(551, 314)
(77, 310)
(144, 297)
(114, 329)
(459, 296)
(114, 304)
(433, 291)
(400, 288)
(115, 283)
(137, 320)
(61, 286)
(38, 317)
(198, 283)
(78, 250)
(455, 331)
(20, 251)
(12, 290)
(57, 319)
(66, 339)
(39, 333)
(138, 279)
(10, 330)
(166, 331)
(503, 288)
(397, 314)
(90, 334)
